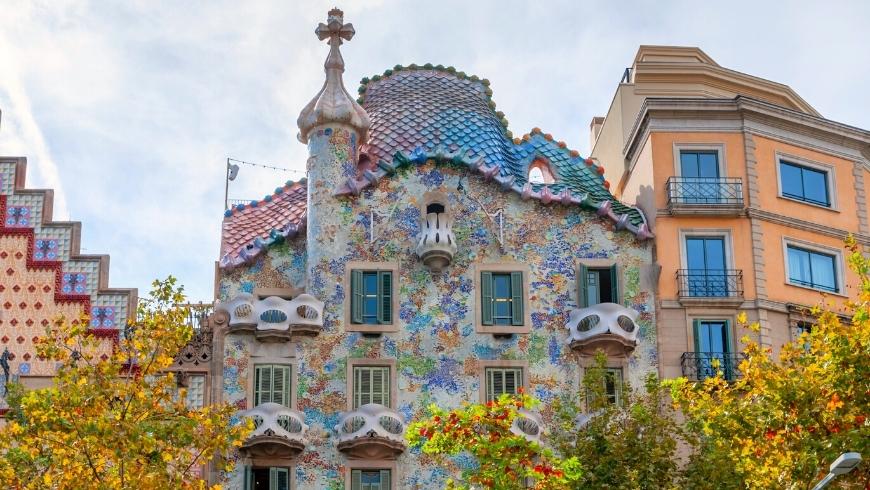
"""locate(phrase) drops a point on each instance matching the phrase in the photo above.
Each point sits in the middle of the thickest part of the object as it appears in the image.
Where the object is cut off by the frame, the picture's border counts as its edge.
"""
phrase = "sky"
(128, 110)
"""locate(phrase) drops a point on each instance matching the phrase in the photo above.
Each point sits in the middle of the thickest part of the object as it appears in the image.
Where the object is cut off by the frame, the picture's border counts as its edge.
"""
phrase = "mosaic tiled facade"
(43, 276)
(422, 135)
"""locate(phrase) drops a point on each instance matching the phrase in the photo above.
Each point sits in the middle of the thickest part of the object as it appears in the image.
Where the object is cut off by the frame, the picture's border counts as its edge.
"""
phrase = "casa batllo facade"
(429, 257)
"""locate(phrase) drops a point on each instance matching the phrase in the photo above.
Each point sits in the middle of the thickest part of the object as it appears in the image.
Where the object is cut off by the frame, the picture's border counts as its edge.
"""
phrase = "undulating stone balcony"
(606, 326)
(529, 425)
(437, 245)
(279, 433)
(372, 431)
(274, 318)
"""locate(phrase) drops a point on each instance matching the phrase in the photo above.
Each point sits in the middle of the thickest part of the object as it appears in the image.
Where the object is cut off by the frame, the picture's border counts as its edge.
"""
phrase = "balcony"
(606, 326)
(528, 425)
(278, 436)
(437, 245)
(273, 319)
(699, 366)
(705, 195)
(372, 431)
(723, 287)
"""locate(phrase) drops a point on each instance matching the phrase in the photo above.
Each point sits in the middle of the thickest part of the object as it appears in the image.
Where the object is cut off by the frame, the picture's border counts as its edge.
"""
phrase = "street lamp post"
(844, 464)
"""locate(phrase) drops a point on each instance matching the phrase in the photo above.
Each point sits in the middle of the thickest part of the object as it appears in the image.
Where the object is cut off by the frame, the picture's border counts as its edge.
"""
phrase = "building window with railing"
(707, 273)
(713, 351)
(700, 181)
(812, 268)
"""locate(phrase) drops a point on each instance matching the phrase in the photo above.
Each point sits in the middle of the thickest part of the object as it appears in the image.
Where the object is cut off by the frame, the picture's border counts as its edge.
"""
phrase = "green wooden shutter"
(356, 480)
(281, 385)
(356, 296)
(385, 297)
(582, 286)
(263, 385)
(371, 385)
(518, 317)
(385, 480)
(247, 484)
(614, 285)
(486, 298)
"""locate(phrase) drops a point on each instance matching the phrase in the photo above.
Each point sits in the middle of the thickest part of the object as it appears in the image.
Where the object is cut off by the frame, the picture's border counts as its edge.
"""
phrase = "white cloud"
(140, 103)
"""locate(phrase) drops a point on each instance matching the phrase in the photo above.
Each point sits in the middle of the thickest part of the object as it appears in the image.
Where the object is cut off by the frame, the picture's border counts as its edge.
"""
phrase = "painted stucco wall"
(437, 350)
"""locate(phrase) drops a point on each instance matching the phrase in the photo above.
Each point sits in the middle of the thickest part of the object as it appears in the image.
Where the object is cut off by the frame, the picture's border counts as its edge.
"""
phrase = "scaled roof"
(427, 112)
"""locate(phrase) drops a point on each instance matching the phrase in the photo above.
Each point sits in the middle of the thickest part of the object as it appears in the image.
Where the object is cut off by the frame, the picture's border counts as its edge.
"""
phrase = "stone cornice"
(744, 113)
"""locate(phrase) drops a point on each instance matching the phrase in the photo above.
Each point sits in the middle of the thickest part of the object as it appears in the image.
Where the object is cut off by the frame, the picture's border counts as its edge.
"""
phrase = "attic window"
(540, 172)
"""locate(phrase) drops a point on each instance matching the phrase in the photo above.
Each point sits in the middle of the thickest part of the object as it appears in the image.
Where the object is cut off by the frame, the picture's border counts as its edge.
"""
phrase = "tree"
(505, 460)
(632, 444)
(119, 422)
(783, 422)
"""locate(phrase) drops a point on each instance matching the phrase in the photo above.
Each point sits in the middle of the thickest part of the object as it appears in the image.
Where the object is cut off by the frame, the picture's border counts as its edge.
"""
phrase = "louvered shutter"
(512, 380)
(614, 285)
(385, 297)
(517, 314)
(247, 485)
(263, 385)
(486, 298)
(356, 480)
(371, 385)
(281, 385)
(582, 286)
(385, 480)
(356, 296)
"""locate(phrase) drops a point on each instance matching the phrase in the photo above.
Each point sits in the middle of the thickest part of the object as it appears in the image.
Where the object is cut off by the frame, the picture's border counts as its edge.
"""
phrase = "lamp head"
(845, 463)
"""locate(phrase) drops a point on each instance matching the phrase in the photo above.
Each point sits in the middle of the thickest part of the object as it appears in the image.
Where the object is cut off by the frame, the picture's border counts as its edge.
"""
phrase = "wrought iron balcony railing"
(705, 191)
(702, 365)
(710, 283)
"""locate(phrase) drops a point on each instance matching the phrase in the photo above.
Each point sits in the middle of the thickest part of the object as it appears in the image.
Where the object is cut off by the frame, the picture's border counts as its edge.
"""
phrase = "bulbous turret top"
(333, 104)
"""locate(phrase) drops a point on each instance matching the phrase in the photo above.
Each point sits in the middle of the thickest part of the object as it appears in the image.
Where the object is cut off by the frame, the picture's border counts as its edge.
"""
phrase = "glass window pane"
(715, 257)
(370, 283)
(501, 285)
(688, 164)
(370, 306)
(799, 266)
(815, 186)
(695, 253)
(708, 165)
(824, 274)
(792, 182)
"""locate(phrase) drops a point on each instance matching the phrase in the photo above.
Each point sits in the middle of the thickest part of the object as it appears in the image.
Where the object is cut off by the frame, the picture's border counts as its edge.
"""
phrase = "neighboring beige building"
(750, 193)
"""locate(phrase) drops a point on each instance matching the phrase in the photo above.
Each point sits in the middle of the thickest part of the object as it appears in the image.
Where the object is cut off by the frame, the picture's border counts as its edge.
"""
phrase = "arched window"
(540, 172)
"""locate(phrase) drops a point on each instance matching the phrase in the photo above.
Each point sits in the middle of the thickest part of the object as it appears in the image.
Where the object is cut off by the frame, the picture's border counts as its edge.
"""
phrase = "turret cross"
(335, 29)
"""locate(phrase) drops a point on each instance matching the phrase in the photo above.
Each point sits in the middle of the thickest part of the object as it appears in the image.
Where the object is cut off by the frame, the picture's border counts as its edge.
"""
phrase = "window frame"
(500, 268)
(369, 465)
(719, 148)
(393, 268)
(484, 365)
(290, 382)
(798, 161)
(580, 279)
(353, 363)
(837, 255)
(619, 385)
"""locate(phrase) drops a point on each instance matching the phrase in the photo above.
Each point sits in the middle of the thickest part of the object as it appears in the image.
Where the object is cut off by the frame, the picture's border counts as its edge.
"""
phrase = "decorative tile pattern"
(73, 283)
(45, 249)
(18, 217)
(437, 350)
(102, 317)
